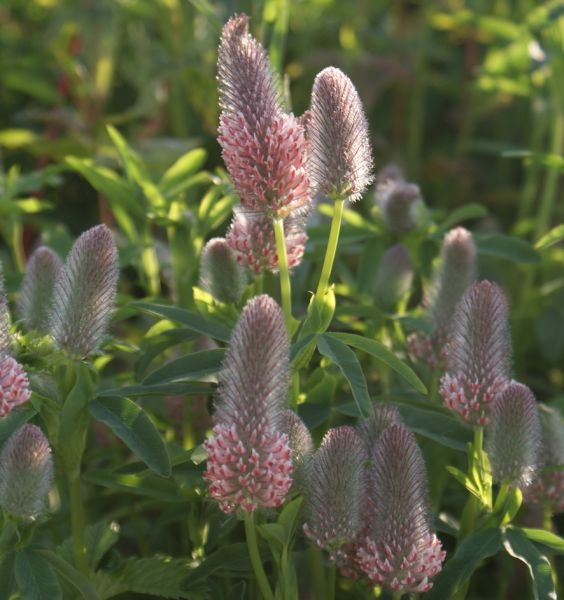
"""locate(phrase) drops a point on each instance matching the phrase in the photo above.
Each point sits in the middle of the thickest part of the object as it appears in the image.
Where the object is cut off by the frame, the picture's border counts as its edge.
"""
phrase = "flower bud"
(371, 428)
(400, 552)
(479, 353)
(85, 292)
(335, 490)
(394, 277)
(399, 201)
(513, 435)
(301, 445)
(14, 385)
(220, 273)
(340, 159)
(26, 473)
(38, 284)
(251, 236)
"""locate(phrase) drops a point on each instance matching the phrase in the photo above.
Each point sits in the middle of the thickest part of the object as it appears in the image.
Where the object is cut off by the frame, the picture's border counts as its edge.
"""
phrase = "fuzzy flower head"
(394, 276)
(249, 457)
(301, 445)
(335, 490)
(513, 435)
(340, 158)
(14, 385)
(251, 236)
(26, 472)
(400, 552)
(85, 292)
(220, 273)
(264, 148)
(479, 353)
(36, 294)
(547, 487)
(399, 201)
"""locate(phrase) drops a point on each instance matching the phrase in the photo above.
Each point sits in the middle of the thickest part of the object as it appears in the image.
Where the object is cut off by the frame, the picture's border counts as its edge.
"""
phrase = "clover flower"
(14, 385)
(340, 158)
(479, 353)
(85, 292)
(398, 200)
(251, 236)
(249, 457)
(399, 551)
(26, 472)
(220, 273)
(264, 148)
(394, 276)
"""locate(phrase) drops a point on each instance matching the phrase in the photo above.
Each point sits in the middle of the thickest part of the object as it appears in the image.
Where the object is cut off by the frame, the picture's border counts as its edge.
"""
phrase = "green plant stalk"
(397, 596)
(16, 241)
(252, 544)
(331, 581)
(470, 512)
(331, 250)
(316, 570)
(284, 271)
(78, 523)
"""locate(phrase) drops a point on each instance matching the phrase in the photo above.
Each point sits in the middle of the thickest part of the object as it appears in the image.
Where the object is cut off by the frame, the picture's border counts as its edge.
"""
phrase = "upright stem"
(285, 286)
(251, 533)
(78, 523)
(397, 596)
(331, 581)
(331, 250)
(316, 570)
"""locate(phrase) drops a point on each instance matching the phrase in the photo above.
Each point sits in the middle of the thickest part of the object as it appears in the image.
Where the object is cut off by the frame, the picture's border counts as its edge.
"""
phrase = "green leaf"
(289, 517)
(13, 421)
(467, 558)
(232, 559)
(7, 576)
(181, 388)
(464, 213)
(192, 367)
(35, 577)
(547, 538)
(507, 247)
(554, 236)
(68, 572)
(191, 320)
(130, 423)
(154, 487)
(379, 351)
(346, 360)
(174, 180)
(518, 546)
(319, 314)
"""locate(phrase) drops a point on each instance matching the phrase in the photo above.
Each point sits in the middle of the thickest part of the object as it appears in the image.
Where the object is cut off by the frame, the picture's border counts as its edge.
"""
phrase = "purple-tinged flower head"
(26, 473)
(399, 201)
(5, 337)
(249, 456)
(38, 284)
(14, 385)
(370, 429)
(85, 292)
(251, 236)
(335, 490)
(301, 445)
(221, 274)
(264, 148)
(340, 158)
(547, 487)
(456, 272)
(394, 276)
(400, 552)
(478, 354)
(513, 435)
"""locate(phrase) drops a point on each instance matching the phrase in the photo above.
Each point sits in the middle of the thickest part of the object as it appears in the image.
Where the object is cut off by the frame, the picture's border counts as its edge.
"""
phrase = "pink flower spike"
(14, 385)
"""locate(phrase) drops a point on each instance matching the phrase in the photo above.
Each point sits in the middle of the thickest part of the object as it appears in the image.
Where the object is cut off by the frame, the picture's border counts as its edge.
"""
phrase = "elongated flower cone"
(85, 292)
(383, 415)
(220, 273)
(251, 236)
(394, 276)
(340, 158)
(5, 338)
(547, 486)
(398, 200)
(249, 456)
(301, 445)
(335, 490)
(36, 294)
(264, 148)
(400, 552)
(479, 353)
(14, 385)
(26, 472)
(513, 435)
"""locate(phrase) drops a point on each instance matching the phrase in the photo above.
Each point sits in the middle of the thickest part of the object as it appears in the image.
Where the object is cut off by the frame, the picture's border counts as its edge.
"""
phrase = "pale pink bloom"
(14, 385)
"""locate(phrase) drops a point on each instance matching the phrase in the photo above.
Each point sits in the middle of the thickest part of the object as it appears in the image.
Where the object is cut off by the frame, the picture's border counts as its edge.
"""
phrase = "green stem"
(397, 596)
(479, 440)
(285, 286)
(78, 523)
(331, 250)
(331, 581)
(17, 245)
(316, 570)
(256, 562)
